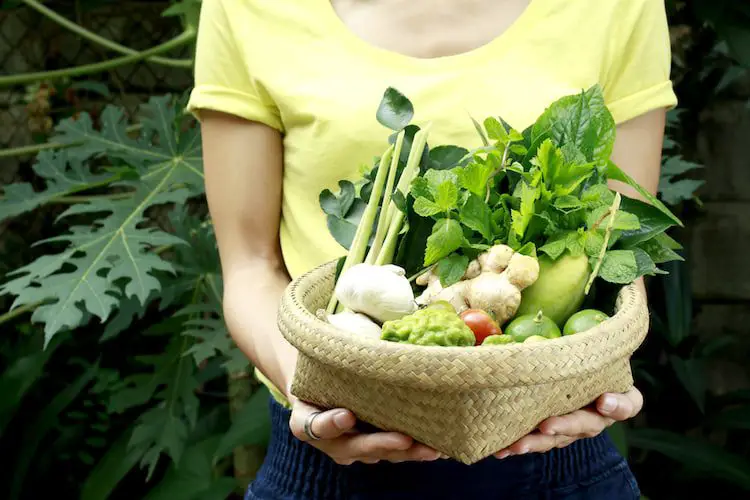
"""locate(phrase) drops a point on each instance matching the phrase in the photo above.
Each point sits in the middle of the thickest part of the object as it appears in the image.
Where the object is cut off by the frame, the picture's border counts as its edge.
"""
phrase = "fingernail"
(524, 450)
(504, 454)
(609, 404)
(341, 419)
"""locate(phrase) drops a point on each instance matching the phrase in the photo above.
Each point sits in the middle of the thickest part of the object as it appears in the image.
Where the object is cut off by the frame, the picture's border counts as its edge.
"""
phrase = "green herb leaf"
(597, 195)
(576, 242)
(567, 203)
(556, 245)
(446, 157)
(646, 266)
(446, 238)
(619, 266)
(474, 177)
(549, 159)
(616, 173)
(495, 130)
(420, 188)
(338, 206)
(446, 196)
(582, 120)
(395, 110)
(398, 199)
(659, 250)
(480, 131)
(594, 242)
(342, 230)
(652, 222)
(476, 214)
(451, 269)
(426, 208)
(522, 217)
(528, 249)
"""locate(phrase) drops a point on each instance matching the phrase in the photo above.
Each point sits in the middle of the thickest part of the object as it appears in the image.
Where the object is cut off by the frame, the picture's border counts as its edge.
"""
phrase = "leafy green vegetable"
(395, 110)
(446, 238)
(476, 214)
(451, 269)
(619, 266)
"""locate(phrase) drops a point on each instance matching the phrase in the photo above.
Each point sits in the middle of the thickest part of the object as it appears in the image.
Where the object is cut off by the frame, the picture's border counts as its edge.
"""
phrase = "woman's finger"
(620, 406)
(535, 443)
(580, 423)
(326, 425)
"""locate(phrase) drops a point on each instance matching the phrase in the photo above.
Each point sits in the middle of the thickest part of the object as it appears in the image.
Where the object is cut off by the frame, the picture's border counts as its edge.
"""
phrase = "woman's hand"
(559, 432)
(344, 445)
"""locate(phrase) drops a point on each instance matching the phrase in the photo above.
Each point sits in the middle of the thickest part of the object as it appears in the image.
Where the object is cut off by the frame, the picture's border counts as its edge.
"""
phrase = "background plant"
(111, 263)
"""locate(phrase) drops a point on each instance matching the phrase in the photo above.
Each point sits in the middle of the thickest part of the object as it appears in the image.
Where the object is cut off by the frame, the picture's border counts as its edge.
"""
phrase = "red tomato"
(481, 324)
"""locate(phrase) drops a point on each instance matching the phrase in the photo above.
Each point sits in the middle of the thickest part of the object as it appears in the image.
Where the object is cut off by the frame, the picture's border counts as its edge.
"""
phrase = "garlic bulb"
(355, 323)
(381, 292)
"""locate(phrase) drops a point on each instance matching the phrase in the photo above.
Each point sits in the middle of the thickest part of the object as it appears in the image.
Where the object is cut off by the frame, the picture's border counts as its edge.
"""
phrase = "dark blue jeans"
(589, 469)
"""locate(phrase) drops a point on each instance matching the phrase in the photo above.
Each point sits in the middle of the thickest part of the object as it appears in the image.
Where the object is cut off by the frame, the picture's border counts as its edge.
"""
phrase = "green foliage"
(135, 250)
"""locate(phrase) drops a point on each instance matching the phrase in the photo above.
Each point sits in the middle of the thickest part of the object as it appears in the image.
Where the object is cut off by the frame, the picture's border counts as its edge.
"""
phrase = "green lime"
(498, 340)
(534, 338)
(583, 320)
(530, 325)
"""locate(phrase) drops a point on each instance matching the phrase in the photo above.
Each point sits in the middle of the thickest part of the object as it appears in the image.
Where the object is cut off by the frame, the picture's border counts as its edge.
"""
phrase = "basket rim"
(305, 331)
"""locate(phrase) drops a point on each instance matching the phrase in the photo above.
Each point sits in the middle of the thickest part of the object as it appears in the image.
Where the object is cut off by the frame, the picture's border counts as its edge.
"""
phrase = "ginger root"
(493, 283)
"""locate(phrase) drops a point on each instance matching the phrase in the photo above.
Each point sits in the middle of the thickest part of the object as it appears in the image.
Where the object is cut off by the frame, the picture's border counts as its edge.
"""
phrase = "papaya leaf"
(62, 177)
(110, 470)
(164, 167)
(251, 425)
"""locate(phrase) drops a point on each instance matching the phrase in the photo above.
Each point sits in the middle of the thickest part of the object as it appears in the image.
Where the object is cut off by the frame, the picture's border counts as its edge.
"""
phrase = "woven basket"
(467, 402)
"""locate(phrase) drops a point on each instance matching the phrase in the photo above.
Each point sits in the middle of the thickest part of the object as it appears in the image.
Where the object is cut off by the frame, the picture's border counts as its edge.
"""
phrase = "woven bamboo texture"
(466, 402)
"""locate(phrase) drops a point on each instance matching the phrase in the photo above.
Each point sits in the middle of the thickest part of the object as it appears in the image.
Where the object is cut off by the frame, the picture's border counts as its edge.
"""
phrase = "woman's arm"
(243, 169)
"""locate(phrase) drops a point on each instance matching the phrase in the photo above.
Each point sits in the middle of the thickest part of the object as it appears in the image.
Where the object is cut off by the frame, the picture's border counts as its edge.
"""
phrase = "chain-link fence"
(31, 42)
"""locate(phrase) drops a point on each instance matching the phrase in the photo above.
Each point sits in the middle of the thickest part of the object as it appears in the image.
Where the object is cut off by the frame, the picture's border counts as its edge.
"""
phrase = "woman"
(286, 91)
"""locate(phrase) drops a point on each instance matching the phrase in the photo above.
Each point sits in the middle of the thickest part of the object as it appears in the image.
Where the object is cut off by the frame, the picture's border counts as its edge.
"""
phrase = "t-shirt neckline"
(497, 45)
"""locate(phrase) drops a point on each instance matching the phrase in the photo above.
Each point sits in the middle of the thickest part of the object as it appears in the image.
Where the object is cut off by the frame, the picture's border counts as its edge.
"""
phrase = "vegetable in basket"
(526, 223)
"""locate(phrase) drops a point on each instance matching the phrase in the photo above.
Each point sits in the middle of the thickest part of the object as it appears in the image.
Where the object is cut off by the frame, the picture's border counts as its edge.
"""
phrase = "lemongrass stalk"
(607, 233)
(362, 235)
(385, 256)
(384, 219)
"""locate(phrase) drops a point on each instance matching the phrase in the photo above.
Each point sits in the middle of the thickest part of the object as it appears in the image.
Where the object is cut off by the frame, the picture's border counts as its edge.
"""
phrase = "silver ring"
(307, 427)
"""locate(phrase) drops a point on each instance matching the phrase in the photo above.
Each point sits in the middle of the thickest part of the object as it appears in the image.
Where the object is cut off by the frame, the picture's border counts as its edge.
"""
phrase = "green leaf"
(98, 88)
(427, 208)
(576, 242)
(528, 249)
(582, 120)
(616, 173)
(696, 454)
(618, 435)
(446, 238)
(658, 249)
(446, 196)
(567, 203)
(646, 266)
(556, 245)
(619, 266)
(678, 302)
(338, 206)
(652, 222)
(737, 417)
(476, 215)
(46, 421)
(597, 196)
(451, 269)
(594, 243)
(495, 130)
(420, 188)
(521, 218)
(447, 157)
(549, 159)
(110, 470)
(342, 230)
(691, 374)
(395, 110)
(673, 192)
(118, 246)
(399, 200)
(480, 131)
(475, 177)
(251, 425)
(61, 177)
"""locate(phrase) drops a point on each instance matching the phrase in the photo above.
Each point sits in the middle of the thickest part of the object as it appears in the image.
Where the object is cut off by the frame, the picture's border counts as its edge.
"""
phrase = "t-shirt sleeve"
(223, 77)
(637, 74)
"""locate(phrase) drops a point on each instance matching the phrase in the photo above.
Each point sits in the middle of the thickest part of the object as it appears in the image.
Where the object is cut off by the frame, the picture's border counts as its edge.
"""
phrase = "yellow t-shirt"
(295, 66)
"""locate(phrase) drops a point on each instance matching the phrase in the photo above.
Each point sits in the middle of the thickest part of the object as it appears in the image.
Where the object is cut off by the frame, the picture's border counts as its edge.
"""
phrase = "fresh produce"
(480, 323)
(519, 229)
(532, 325)
(560, 289)
(381, 292)
(534, 338)
(498, 340)
(356, 323)
(493, 284)
(584, 320)
(435, 326)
